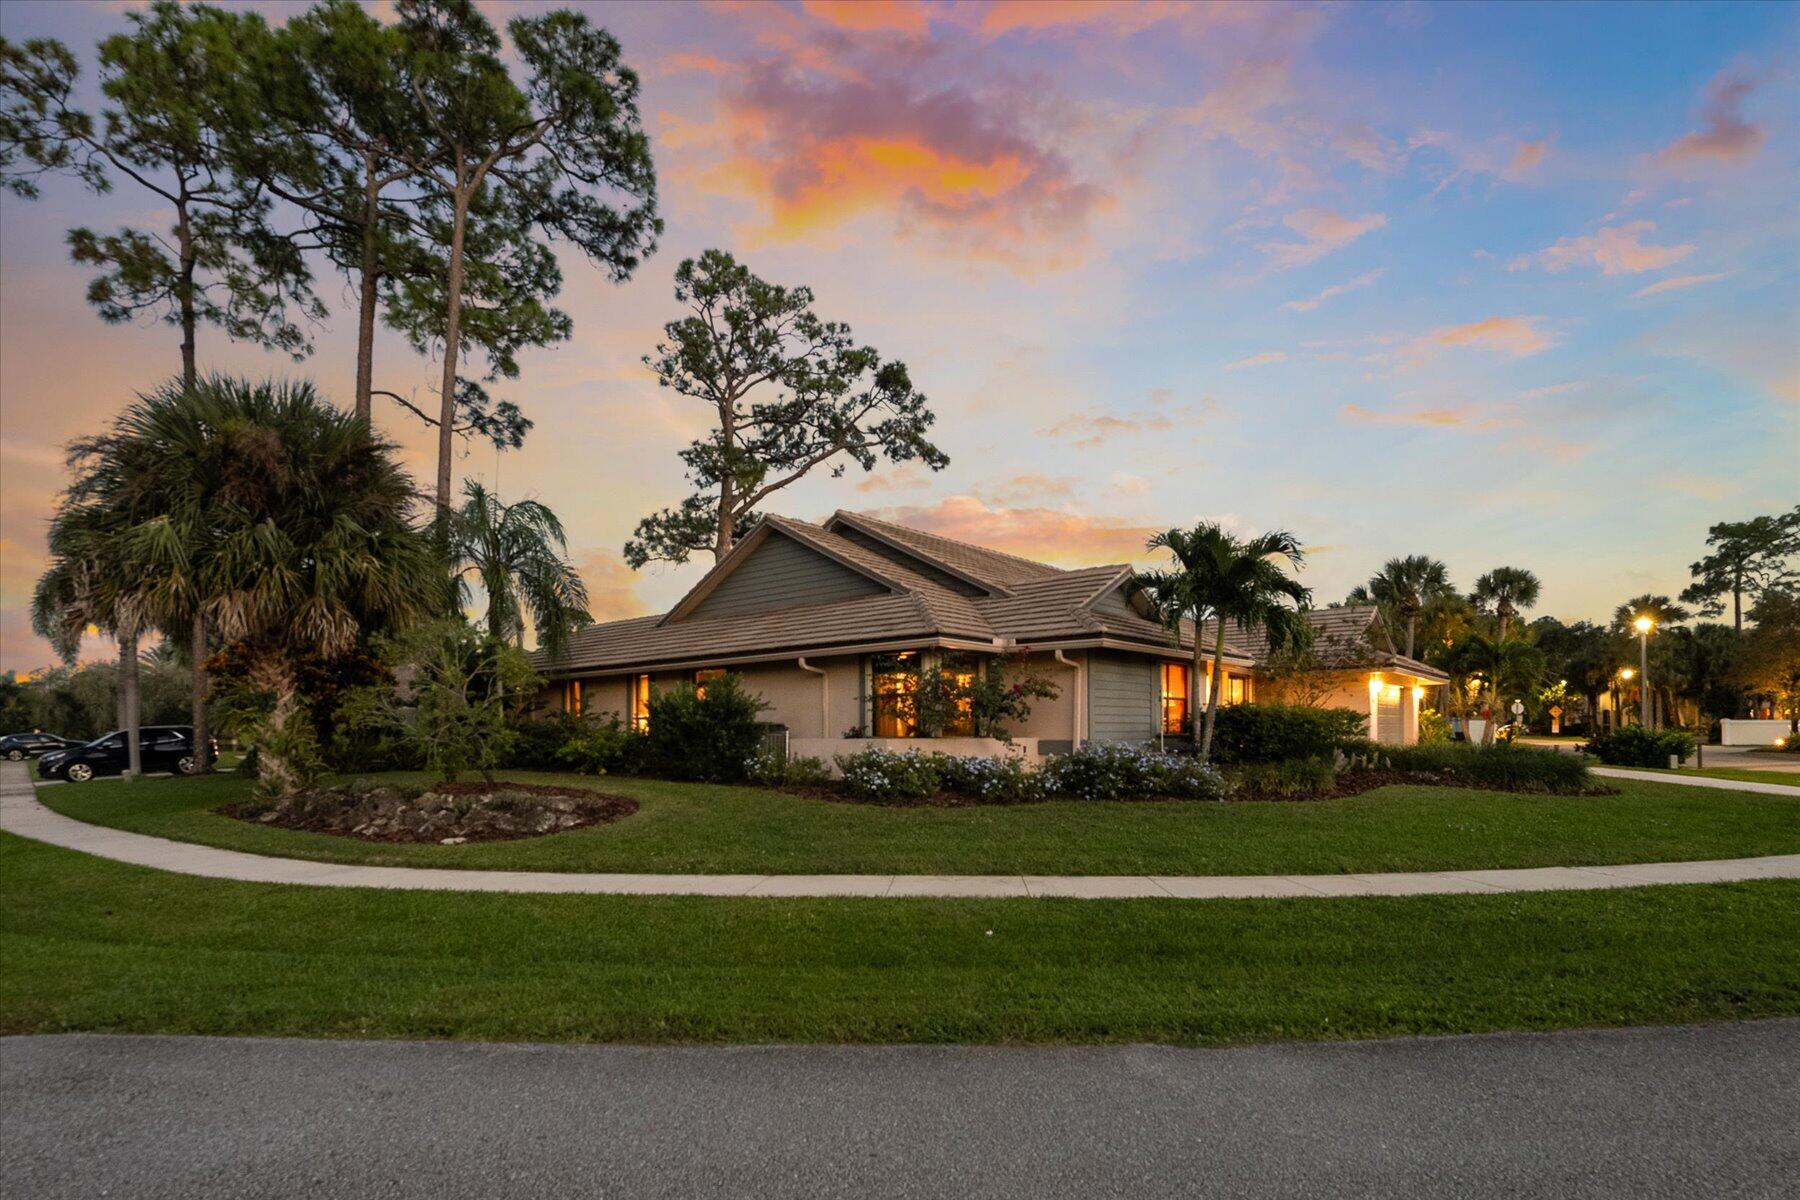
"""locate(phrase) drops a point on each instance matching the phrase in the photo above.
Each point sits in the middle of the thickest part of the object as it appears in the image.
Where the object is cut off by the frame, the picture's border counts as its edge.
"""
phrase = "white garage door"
(1388, 728)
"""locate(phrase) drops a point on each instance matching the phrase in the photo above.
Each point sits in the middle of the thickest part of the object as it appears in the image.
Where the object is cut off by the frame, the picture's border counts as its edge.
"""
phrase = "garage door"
(1388, 727)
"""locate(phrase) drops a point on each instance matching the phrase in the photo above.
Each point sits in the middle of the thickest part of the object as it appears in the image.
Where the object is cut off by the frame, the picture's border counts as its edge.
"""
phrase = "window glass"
(640, 703)
(700, 678)
(1174, 697)
(113, 742)
(963, 668)
(573, 703)
(1234, 690)
(892, 678)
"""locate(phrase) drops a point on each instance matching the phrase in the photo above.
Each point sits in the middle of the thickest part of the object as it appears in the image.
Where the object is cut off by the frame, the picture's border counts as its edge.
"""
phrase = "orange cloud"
(1526, 157)
(1517, 336)
(1323, 231)
(1464, 417)
(1047, 534)
(1086, 430)
(869, 16)
(1724, 137)
(1266, 358)
(1028, 486)
(612, 588)
(1616, 250)
(1337, 289)
(1677, 283)
(945, 165)
(1037, 16)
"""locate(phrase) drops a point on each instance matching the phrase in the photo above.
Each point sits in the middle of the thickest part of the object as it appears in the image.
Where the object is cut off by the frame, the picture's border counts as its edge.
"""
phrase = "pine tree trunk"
(184, 237)
(128, 698)
(202, 739)
(727, 533)
(370, 285)
(452, 339)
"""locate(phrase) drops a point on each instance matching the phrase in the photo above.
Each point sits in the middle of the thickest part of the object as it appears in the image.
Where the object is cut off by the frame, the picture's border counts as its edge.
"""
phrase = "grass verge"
(88, 944)
(701, 828)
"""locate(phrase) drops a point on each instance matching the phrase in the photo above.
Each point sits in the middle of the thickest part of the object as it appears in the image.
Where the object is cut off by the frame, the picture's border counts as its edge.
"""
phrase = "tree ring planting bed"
(449, 813)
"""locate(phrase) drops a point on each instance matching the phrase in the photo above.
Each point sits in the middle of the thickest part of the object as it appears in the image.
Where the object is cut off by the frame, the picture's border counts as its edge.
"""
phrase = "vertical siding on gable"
(1122, 697)
(1115, 604)
(917, 566)
(781, 573)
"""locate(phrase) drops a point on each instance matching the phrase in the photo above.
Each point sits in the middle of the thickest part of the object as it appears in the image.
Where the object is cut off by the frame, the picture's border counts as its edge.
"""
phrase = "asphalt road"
(1711, 1111)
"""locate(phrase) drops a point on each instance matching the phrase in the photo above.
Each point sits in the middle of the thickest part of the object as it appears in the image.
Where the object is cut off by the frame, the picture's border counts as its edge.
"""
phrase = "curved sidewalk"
(21, 814)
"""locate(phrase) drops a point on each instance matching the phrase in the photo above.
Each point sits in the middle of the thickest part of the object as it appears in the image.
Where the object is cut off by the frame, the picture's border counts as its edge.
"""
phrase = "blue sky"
(1509, 284)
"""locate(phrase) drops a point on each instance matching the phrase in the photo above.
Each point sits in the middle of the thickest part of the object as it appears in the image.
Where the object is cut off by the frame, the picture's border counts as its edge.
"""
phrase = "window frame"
(1176, 708)
(637, 702)
(911, 666)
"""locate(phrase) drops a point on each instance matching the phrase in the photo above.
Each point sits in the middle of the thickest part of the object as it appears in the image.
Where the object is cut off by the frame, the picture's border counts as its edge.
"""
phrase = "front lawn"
(88, 944)
(702, 828)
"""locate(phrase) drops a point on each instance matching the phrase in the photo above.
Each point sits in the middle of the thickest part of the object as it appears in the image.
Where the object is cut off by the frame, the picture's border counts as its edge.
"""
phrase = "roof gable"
(996, 572)
(773, 569)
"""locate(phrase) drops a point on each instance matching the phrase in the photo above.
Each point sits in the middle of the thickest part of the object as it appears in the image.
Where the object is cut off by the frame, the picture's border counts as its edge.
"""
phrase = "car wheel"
(187, 765)
(16, 755)
(79, 772)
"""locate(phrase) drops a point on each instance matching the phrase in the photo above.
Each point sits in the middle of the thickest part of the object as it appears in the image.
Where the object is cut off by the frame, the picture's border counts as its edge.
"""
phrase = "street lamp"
(1645, 623)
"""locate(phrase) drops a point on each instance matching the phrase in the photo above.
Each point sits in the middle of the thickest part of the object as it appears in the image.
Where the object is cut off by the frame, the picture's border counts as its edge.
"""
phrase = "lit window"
(893, 678)
(700, 678)
(572, 697)
(962, 669)
(640, 703)
(1234, 690)
(1174, 697)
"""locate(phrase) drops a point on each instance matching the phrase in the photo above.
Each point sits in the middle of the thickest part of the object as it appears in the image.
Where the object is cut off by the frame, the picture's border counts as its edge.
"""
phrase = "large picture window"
(962, 669)
(1175, 696)
(640, 703)
(893, 678)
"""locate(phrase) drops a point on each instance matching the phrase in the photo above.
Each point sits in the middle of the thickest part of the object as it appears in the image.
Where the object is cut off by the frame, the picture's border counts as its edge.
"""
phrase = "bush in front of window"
(1256, 733)
(1120, 772)
(600, 744)
(889, 778)
(712, 738)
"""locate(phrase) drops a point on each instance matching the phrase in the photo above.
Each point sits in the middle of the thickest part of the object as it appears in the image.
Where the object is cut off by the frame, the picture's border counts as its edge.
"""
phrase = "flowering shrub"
(1001, 780)
(772, 769)
(884, 777)
(1119, 772)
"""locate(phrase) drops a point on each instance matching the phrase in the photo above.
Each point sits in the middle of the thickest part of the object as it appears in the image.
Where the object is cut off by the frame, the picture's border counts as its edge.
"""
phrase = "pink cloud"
(1323, 231)
(1676, 284)
(1616, 250)
(1266, 358)
(1336, 289)
(865, 16)
(1461, 417)
(1516, 336)
(1725, 137)
(1047, 534)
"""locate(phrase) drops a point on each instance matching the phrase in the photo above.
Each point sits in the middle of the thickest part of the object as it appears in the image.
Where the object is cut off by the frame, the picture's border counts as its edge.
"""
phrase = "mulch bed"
(446, 813)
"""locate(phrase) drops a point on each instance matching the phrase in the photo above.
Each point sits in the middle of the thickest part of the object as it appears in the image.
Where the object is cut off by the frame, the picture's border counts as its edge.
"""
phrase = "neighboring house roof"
(1016, 603)
(1347, 632)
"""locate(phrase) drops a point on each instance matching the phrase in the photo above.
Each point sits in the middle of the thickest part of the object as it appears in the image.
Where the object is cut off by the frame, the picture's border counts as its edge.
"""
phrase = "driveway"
(1705, 1111)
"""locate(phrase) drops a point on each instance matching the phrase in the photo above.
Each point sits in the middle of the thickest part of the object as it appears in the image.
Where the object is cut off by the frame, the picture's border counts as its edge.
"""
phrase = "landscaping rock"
(450, 814)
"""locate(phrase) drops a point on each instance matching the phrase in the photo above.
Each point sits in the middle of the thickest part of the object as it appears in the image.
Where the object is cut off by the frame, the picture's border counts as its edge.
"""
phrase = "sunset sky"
(1504, 285)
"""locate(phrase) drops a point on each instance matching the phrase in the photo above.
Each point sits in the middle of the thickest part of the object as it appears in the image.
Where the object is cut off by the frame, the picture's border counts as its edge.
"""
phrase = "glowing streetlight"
(1645, 623)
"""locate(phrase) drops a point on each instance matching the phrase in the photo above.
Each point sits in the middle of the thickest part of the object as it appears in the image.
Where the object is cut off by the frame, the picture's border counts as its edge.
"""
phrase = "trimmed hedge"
(1091, 773)
(1507, 767)
(1635, 746)
(1296, 779)
(1263, 733)
(713, 738)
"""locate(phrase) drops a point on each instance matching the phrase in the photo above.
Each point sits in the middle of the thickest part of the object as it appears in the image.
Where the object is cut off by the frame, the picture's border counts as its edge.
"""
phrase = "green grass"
(695, 827)
(88, 944)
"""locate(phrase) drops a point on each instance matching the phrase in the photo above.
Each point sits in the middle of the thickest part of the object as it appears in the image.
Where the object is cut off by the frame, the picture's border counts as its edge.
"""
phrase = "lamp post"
(1644, 625)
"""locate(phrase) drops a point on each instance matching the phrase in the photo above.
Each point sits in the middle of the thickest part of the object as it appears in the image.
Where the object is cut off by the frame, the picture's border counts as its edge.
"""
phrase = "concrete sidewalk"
(1699, 781)
(20, 813)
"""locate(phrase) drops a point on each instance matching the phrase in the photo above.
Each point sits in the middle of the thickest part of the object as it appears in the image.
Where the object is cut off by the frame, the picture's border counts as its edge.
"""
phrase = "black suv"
(161, 747)
(21, 746)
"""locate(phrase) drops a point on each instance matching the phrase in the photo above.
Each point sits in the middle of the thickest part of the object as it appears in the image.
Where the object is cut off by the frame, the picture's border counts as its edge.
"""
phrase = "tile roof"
(1346, 628)
(1034, 603)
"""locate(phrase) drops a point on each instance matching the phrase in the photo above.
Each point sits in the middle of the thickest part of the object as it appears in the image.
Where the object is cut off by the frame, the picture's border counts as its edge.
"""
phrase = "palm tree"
(289, 522)
(1502, 664)
(518, 553)
(1406, 586)
(1506, 590)
(1220, 578)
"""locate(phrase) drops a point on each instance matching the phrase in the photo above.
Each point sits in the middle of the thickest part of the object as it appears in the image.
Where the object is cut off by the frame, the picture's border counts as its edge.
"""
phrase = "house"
(832, 624)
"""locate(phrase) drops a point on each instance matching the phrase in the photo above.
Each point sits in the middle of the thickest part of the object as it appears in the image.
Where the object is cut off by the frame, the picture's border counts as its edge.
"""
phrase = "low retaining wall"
(1751, 733)
(827, 749)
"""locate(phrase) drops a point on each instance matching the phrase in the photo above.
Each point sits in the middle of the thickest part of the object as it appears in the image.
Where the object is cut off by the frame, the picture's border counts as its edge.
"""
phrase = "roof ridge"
(1018, 558)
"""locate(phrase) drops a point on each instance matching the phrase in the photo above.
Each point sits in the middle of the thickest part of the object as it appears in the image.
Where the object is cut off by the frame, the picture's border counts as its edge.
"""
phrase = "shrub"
(1004, 779)
(1434, 727)
(1295, 779)
(1507, 767)
(1635, 746)
(600, 745)
(712, 737)
(1119, 772)
(1248, 733)
(888, 778)
(538, 741)
(773, 769)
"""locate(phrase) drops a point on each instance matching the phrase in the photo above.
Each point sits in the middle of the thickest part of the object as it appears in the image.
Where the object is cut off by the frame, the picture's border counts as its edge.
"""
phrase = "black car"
(21, 746)
(161, 748)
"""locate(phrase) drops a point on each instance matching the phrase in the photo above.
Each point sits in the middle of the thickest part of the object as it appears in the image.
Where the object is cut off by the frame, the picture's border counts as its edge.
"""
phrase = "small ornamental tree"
(788, 393)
